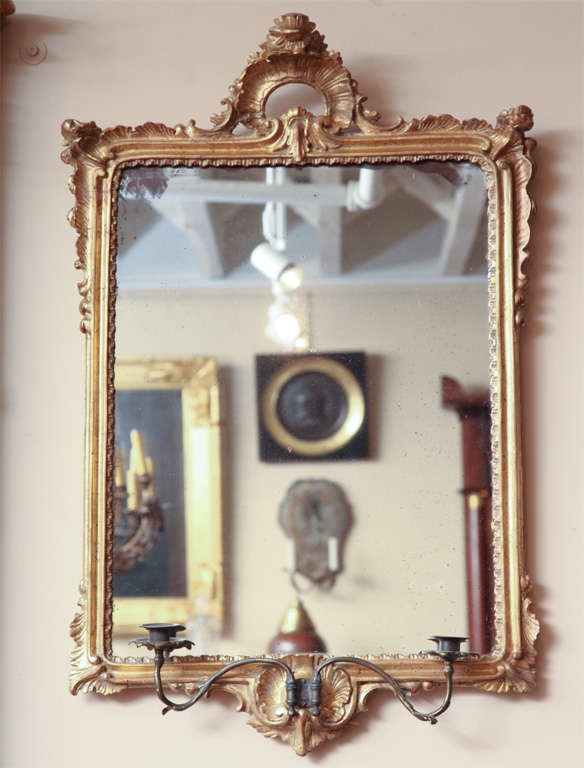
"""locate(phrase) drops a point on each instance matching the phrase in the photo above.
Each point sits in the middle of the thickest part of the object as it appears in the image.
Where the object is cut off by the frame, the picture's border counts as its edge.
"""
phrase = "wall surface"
(118, 62)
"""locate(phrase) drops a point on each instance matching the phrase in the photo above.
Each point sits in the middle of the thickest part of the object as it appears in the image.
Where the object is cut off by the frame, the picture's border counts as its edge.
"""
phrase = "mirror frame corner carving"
(346, 133)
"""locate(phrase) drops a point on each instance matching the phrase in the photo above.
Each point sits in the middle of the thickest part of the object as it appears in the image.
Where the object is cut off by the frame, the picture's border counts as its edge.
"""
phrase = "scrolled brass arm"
(162, 640)
(401, 693)
(205, 685)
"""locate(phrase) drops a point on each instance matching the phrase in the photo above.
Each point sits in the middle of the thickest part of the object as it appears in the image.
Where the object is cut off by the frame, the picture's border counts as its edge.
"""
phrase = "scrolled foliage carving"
(88, 672)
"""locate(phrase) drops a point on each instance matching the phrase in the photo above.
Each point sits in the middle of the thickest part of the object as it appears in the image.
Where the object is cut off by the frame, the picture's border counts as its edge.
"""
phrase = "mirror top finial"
(294, 33)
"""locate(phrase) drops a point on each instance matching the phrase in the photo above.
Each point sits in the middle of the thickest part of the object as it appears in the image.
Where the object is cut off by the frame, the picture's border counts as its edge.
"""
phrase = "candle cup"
(162, 632)
(447, 643)
(162, 637)
(448, 648)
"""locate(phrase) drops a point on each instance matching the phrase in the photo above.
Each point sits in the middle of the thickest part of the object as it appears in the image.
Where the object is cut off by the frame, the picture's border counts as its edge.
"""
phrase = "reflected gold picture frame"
(196, 380)
(345, 133)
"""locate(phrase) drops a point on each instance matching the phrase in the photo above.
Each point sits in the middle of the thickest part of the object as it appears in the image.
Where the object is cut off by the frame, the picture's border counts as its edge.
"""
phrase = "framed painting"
(167, 492)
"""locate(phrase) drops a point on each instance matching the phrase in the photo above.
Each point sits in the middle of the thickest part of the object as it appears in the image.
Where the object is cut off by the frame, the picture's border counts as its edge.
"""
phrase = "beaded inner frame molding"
(345, 133)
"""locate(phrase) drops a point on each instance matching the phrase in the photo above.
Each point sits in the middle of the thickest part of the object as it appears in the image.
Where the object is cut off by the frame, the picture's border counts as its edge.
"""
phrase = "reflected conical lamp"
(297, 633)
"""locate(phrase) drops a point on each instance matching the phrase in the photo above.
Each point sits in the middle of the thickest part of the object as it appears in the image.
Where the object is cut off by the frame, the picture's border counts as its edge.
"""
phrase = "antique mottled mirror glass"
(303, 431)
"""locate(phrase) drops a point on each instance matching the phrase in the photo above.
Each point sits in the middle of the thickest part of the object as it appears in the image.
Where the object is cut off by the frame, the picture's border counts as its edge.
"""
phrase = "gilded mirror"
(327, 309)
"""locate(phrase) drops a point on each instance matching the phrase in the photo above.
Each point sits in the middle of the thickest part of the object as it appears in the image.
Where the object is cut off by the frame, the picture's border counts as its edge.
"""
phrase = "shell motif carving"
(303, 732)
(517, 672)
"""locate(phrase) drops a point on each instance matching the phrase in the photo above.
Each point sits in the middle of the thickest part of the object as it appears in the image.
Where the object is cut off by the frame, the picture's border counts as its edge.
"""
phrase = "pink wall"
(127, 62)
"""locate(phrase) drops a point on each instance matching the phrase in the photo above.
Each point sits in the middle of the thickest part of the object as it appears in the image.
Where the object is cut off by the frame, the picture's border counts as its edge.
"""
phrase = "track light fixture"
(276, 267)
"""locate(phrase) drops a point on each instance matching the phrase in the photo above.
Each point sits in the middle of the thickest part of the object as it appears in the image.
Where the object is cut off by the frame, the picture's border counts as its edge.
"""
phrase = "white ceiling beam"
(225, 191)
(329, 223)
(467, 211)
(431, 189)
(194, 219)
(330, 240)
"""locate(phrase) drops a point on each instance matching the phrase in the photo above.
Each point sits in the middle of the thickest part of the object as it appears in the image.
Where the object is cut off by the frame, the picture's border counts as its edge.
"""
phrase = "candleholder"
(138, 515)
(301, 693)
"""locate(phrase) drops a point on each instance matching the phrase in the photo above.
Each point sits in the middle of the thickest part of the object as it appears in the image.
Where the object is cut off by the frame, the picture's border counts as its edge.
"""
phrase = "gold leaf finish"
(345, 133)
(517, 671)
(304, 732)
(87, 673)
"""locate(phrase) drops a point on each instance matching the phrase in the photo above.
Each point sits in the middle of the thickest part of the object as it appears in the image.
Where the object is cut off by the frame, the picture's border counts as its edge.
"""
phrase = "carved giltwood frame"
(196, 379)
(346, 133)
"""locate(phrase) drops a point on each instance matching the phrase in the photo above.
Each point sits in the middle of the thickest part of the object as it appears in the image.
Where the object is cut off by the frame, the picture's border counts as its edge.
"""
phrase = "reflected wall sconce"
(301, 693)
(315, 517)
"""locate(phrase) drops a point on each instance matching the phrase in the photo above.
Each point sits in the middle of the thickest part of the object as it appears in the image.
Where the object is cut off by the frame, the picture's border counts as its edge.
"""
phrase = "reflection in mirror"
(358, 285)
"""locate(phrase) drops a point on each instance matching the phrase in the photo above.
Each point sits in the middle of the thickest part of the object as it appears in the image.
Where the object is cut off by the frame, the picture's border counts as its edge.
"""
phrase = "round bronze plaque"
(313, 406)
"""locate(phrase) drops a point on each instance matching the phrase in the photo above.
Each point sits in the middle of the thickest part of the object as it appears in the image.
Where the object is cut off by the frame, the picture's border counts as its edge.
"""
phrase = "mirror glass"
(392, 286)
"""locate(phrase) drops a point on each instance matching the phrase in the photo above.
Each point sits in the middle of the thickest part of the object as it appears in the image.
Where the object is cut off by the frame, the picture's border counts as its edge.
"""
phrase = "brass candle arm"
(401, 693)
(162, 640)
(300, 693)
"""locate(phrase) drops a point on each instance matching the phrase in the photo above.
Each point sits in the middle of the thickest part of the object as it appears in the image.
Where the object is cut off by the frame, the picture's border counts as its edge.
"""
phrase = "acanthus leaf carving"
(223, 124)
(83, 152)
(80, 139)
(516, 119)
(88, 674)
(517, 155)
(517, 670)
(301, 131)
(367, 119)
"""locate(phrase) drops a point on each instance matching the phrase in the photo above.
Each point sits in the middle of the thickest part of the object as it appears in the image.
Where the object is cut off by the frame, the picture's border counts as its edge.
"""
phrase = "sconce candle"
(118, 471)
(291, 555)
(150, 471)
(137, 453)
(132, 485)
(333, 554)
